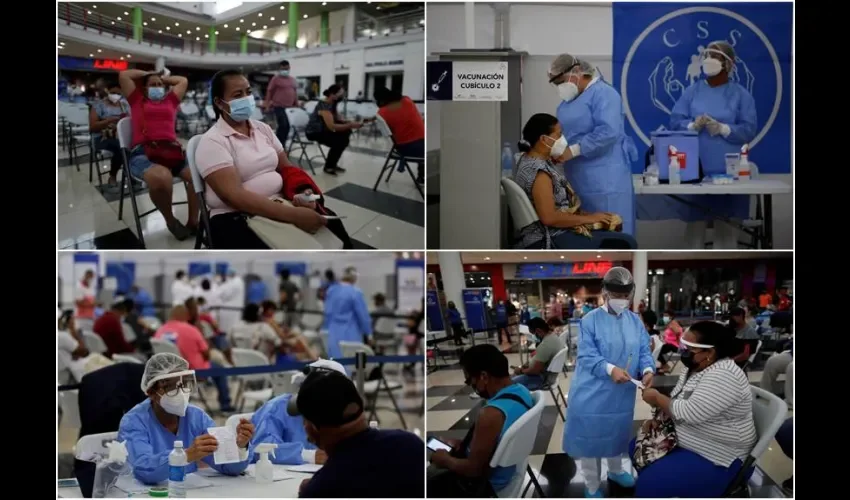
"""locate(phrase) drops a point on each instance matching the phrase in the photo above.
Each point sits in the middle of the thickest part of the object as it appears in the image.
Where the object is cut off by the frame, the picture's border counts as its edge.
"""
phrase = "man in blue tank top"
(485, 370)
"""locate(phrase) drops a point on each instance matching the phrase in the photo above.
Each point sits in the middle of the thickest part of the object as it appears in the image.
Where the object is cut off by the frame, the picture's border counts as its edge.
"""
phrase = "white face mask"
(567, 91)
(557, 150)
(114, 97)
(175, 405)
(712, 67)
(618, 305)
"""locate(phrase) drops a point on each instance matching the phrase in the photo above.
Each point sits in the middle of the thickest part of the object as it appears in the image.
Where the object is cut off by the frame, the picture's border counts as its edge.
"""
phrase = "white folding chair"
(250, 357)
(94, 343)
(769, 413)
(204, 236)
(384, 334)
(233, 420)
(395, 157)
(76, 118)
(126, 358)
(298, 120)
(521, 209)
(164, 346)
(125, 139)
(515, 447)
(309, 106)
(752, 357)
(373, 388)
(555, 368)
(69, 401)
(190, 116)
(93, 444)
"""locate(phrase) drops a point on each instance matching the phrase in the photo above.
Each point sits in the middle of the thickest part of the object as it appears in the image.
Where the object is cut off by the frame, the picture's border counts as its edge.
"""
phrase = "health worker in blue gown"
(613, 351)
(275, 425)
(152, 426)
(724, 114)
(346, 314)
(600, 154)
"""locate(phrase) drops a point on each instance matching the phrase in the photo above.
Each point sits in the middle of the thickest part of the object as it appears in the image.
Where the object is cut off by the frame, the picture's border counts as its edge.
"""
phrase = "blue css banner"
(294, 268)
(657, 49)
(473, 300)
(124, 273)
(435, 313)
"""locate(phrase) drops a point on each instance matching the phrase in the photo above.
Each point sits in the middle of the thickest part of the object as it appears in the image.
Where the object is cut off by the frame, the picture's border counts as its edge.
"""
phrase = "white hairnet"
(566, 62)
(162, 364)
(618, 280)
(726, 50)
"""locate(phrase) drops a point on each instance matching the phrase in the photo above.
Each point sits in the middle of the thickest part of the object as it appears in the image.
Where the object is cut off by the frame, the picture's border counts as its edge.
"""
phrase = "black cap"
(737, 311)
(537, 323)
(324, 397)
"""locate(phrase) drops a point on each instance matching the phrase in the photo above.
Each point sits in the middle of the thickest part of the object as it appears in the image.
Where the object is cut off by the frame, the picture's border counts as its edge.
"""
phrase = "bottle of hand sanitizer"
(744, 164)
(263, 470)
(673, 176)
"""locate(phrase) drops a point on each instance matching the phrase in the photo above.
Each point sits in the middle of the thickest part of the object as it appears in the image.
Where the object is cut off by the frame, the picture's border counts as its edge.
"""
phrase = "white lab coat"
(180, 291)
(230, 294)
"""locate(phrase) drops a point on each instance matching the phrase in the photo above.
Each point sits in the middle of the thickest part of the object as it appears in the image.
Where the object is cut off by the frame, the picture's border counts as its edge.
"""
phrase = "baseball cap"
(325, 394)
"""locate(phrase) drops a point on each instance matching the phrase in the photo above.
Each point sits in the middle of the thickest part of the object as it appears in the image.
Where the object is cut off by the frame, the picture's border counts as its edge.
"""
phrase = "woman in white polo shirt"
(712, 411)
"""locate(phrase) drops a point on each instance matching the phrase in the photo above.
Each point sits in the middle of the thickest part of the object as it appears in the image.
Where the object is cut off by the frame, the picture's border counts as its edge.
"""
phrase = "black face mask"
(688, 359)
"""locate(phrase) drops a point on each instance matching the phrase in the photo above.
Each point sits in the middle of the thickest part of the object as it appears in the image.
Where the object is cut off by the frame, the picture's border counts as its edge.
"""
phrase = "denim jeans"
(531, 382)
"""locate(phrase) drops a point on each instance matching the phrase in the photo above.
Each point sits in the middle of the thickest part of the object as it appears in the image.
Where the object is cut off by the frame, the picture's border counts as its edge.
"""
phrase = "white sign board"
(480, 81)
(411, 289)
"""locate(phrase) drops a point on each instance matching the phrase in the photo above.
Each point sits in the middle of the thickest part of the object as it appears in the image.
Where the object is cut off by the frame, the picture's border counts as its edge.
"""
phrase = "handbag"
(283, 235)
(169, 154)
(656, 441)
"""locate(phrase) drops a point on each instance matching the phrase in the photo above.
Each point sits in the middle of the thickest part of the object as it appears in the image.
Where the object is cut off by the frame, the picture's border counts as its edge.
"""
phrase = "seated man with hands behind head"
(562, 223)
(246, 169)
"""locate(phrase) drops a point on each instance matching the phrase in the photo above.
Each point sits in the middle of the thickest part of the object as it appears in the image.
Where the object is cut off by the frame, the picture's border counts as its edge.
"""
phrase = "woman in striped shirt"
(712, 410)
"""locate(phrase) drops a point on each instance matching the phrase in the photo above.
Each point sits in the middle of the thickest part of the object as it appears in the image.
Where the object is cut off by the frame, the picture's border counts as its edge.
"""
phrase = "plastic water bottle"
(507, 161)
(177, 471)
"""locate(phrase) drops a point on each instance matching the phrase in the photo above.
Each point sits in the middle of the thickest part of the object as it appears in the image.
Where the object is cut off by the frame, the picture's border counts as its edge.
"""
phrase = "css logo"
(664, 60)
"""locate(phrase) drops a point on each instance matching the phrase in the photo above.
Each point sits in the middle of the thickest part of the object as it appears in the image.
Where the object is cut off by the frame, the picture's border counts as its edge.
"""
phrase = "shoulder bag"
(169, 154)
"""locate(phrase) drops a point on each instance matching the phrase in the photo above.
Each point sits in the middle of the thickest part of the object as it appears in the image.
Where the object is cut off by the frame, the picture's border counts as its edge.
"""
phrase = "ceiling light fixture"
(99, 50)
(145, 23)
(94, 6)
(265, 27)
(91, 55)
(253, 24)
(126, 13)
(216, 32)
(122, 58)
(153, 19)
(197, 39)
(197, 28)
(282, 7)
(241, 20)
(225, 25)
(237, 28)
(305, 16)
(271, 18)
(129, 56)
(119, 18)
(260, 14)
(180, 35)
(176, 24)
(160, 31)
(206, 36)
(168, 28)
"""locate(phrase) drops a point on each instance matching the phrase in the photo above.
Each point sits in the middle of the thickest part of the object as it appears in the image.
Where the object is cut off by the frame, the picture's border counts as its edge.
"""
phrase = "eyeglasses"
(171, 387)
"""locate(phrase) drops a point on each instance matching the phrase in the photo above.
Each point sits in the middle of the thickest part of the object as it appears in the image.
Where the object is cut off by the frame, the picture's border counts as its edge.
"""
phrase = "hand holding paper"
(227, 451)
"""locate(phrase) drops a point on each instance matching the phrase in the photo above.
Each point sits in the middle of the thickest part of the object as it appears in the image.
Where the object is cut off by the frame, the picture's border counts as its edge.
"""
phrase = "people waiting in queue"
(275, 425)
(193, 347)
(711, 411)
(104, 115)
(361, 462)
(151, 427)
(723, 112)
(673, 332)
(327, 127)
(155, 155)
(597, 161)
(485, 370)
(245, 168)
(613, 350)
(533, 375)
(562, 221)
(406, 125)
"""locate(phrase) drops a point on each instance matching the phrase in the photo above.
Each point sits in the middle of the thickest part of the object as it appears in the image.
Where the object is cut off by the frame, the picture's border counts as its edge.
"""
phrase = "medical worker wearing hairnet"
(724, 114)
(346, 314)
(613, 350)
(600, 154)
(152, 426)
(275, 425)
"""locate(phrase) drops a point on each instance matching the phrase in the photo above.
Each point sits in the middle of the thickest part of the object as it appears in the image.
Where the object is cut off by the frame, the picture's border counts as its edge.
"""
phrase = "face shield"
(172, 384)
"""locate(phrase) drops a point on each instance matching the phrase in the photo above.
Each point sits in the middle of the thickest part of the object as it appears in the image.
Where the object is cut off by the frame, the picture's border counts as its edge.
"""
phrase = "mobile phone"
(435, 444)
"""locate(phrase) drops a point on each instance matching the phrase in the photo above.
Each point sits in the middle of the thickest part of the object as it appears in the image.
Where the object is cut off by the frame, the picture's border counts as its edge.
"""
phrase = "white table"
(765, 188)
(230, 487)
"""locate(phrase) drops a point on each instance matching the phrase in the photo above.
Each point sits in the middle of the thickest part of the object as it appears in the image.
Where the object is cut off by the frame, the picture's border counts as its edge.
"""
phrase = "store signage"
(563, 270)
(467, 80)
(378, 64)
(83, 64)
(110, 64)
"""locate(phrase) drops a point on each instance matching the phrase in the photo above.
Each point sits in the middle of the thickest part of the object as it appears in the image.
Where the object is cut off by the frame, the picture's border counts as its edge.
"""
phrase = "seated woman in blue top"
(152, 426)
(485, 370)
(275, 425)
(562, 223)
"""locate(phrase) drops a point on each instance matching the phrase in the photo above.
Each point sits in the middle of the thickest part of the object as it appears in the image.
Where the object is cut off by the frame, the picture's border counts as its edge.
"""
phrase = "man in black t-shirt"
(288, 297)
(362, 462)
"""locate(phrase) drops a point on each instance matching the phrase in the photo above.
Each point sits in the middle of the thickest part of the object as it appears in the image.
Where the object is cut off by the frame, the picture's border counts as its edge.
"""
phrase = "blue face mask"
(284, 72)
(156, 93)
(241, 109)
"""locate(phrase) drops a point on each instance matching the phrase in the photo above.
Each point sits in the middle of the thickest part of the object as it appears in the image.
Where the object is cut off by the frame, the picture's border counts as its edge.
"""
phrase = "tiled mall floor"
(391, 218)
(451, 412)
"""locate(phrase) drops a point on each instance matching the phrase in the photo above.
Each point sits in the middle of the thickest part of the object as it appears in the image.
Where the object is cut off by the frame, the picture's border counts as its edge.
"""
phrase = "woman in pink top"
(672, 334)
(156, 156)
(242, 162)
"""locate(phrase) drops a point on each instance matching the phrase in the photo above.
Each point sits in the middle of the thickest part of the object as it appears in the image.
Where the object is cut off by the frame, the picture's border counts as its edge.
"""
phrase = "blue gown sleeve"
(646, 359)
(680, 116)
(274, 430)
(149, 467)
(326, 320)
(588, 349)
(745, 128)
(607, 120)
(361, 311)
(201, 423)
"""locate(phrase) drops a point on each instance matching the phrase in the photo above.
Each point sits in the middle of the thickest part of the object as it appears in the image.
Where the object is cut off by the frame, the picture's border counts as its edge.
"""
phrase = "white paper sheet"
(279, 472)
(333, 217)
(308, 468)
(638, 383)
(227, 451)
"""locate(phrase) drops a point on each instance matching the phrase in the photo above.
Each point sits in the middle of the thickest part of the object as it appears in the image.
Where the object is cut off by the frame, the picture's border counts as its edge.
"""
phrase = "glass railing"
(404, 22)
